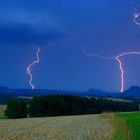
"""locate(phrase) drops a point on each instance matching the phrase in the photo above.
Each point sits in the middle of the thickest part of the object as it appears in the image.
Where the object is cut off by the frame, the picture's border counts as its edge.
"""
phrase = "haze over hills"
(133, 91)
(7, 93)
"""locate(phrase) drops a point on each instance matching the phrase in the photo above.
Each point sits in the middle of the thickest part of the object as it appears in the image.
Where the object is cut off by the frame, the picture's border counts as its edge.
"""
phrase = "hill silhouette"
(6, 93)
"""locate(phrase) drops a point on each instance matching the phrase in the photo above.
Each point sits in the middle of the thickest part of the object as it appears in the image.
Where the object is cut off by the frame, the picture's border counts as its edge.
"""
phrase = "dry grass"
(87, 127)
(2, 110)
(122, 130)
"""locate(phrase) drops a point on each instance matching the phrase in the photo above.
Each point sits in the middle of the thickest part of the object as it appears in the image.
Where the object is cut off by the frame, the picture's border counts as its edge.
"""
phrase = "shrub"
(16, 109)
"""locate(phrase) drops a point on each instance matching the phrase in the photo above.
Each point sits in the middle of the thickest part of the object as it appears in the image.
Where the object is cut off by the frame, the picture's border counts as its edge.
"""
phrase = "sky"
(60, 28)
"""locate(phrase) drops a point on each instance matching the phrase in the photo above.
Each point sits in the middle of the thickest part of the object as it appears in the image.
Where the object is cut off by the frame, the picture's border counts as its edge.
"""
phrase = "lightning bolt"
(116, 58)
(29, 68)
(94, 54)
(135, 18)
(136, 14)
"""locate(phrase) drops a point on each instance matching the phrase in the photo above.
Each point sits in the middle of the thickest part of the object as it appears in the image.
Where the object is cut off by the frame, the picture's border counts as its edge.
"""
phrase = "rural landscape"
(69, 117)
(106, 126)
(69, 69)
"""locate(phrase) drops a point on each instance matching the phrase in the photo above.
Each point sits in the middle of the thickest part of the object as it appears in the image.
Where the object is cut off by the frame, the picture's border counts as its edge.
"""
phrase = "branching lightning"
(94, 54)
(136, 14)
(29, 68)
(116, 58)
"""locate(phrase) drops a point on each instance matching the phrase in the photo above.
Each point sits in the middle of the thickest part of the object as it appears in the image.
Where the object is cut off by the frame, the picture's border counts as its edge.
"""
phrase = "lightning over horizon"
(118, 59)
(121, 65)
(79, 42)
(29, 68)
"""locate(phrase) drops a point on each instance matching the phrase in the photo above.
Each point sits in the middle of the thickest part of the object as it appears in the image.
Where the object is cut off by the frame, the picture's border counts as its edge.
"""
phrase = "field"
(2, 110)
(129, 124)
(86, 127)
(120, 126)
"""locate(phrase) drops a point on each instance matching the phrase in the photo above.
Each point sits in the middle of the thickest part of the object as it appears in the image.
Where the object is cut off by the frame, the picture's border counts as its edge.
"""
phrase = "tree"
(58, 105)
(16, 108)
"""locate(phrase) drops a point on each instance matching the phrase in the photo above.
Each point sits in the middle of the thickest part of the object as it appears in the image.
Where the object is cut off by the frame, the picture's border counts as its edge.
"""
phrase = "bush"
(16, 109)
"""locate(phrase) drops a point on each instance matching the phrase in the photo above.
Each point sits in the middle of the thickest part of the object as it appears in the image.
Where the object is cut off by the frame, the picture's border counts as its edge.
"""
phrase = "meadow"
(86, 127)
(127, 126)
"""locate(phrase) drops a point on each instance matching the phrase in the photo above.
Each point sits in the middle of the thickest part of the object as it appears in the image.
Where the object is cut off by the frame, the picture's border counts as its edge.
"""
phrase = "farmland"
(129, 124)
(107, 126)
(2, 110)
(86, 127)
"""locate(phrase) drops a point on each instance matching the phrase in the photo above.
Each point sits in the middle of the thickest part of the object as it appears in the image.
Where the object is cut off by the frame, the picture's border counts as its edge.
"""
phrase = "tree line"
(60, 105)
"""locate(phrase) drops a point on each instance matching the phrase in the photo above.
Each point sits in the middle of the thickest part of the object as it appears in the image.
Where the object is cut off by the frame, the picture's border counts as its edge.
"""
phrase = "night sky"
(60, 28)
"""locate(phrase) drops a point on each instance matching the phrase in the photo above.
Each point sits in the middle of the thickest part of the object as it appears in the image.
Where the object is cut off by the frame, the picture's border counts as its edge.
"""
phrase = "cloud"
(27, 23)
(25, 34)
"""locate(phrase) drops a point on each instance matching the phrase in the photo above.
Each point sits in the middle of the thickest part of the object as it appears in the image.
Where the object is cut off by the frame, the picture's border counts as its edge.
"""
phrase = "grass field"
(87, 127)
(131, 122)
(2, 110)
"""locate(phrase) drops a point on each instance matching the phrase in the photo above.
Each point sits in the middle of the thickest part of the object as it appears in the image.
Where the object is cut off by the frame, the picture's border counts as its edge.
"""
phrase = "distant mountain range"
(133, 91)
(6, 93)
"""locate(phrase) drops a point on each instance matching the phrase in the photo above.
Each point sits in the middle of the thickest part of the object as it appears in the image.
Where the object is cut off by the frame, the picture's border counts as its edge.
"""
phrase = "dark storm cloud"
(25, 34)
(28, 22)
(105, 27)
